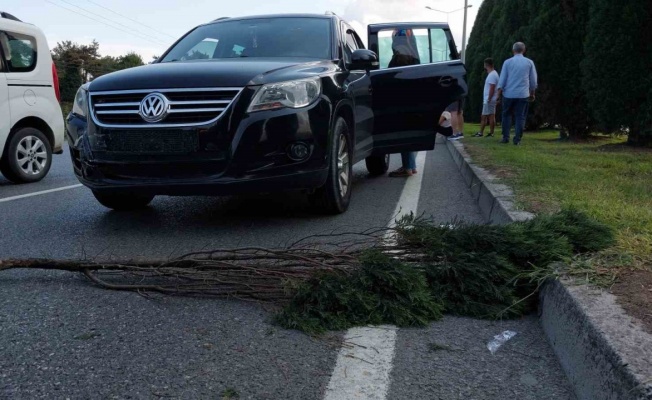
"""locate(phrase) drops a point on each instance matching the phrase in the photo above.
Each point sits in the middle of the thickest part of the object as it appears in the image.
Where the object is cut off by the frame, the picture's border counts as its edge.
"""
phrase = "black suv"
(261, 104)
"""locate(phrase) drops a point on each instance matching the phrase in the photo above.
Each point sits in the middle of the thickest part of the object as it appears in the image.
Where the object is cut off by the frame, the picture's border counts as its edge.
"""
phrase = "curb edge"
(591, 360)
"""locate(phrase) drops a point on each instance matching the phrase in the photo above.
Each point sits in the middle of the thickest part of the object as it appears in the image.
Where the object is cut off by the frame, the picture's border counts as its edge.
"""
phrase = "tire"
(123, 201)
(27, 157)
(377, 165)
(334, 196)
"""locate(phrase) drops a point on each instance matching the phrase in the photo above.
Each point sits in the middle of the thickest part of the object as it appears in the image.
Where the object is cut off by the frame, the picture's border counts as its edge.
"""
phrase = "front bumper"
(240, 153)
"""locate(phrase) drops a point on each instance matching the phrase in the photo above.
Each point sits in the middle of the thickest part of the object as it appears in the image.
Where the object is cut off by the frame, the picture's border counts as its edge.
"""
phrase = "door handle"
(446, 81)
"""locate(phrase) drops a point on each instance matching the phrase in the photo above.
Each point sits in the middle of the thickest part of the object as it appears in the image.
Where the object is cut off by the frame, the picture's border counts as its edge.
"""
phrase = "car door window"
(351, 43)
(441, 50)
(19, 51)
(403, 47)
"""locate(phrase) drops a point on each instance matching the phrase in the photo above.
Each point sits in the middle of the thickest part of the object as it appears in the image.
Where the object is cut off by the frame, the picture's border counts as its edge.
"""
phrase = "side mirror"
(363, 59)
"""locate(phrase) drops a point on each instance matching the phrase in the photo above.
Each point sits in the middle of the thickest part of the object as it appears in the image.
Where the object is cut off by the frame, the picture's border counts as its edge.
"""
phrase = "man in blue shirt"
(516, 87)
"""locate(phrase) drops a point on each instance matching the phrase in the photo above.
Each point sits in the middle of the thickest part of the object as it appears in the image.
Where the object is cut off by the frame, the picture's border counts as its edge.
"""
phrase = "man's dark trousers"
(518, 108)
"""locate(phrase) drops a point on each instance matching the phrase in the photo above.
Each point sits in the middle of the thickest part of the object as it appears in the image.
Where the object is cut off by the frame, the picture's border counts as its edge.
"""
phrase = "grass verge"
(601, 176)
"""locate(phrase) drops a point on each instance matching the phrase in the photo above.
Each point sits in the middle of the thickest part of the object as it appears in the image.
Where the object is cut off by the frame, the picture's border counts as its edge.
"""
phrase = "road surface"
(61, 337)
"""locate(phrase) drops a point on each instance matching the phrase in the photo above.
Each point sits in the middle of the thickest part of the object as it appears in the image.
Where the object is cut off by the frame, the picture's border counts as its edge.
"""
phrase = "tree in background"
(479, 48)
(556, 43)
(593, 58)
(617, 77)
(499, 24)
(79, 63)
(129, 60)
(75, 63)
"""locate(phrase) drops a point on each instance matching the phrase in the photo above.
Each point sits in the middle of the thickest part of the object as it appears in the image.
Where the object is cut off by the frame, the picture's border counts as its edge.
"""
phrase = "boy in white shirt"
(489, 100)
(445, 127)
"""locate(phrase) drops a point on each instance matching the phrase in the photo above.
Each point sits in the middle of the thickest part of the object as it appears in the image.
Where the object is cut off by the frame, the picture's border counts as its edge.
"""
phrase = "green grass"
(601, 176)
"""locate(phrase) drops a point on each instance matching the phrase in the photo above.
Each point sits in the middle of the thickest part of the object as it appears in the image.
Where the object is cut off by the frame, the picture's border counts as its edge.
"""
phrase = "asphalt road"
(61, 337)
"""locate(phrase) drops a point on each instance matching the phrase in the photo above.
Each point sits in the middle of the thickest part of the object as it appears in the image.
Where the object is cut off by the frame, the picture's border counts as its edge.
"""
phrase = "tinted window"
(265, 37)
(19, 51)
(403, 47)
(441, 50)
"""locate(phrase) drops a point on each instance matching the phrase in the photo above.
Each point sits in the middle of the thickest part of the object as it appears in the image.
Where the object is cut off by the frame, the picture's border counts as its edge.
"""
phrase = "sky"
(149, 27)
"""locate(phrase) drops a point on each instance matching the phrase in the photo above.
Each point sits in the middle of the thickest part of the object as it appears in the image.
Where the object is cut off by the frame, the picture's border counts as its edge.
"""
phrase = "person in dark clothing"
(404, 48)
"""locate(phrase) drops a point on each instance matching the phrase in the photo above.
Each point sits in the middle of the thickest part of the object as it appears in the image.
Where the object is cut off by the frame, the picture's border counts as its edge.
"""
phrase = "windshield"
(265, 37)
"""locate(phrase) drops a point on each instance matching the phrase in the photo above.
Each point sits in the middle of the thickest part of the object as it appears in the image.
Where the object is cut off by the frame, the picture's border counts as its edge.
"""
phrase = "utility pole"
(466, 10)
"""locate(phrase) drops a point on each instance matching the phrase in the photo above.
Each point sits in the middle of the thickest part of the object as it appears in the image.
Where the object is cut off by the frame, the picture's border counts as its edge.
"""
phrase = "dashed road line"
(362, 371)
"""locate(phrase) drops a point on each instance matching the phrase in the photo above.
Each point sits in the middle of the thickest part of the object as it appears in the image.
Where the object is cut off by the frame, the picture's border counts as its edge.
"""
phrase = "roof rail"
(330, 13)
(8, 16)
(220, 19)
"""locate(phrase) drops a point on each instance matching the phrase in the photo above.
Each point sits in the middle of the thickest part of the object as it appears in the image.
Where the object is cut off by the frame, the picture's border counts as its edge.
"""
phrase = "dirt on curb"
(634, 293)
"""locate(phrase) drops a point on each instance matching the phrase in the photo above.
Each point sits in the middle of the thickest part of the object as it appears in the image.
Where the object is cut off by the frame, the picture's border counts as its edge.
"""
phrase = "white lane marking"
(22, 196)
(363, 366)
(409, 200)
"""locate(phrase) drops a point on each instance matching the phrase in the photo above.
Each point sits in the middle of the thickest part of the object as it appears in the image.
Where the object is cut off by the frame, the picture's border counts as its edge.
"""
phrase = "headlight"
(293, 94)
(79, 106)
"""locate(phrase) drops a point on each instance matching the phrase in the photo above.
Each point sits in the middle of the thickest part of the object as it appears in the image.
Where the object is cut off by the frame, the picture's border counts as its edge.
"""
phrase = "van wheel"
(122, 201)
(334, 196)
(377, 165)
(27, 157)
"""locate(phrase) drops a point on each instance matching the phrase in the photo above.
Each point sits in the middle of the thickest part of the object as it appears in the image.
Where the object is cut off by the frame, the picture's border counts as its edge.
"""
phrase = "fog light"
(298, 151)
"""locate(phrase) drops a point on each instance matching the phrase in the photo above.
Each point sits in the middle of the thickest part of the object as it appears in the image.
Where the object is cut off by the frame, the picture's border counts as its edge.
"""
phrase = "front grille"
(187, 107)
(140, 141)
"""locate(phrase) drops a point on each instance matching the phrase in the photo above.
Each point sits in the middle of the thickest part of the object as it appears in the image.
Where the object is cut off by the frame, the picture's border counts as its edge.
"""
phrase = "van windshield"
(265, 37)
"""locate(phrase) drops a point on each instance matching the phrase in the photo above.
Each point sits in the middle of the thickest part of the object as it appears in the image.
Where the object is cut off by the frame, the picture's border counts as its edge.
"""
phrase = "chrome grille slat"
(187, 107)
(117, 105)
(175, 103)
(105, 112)
(190, 110)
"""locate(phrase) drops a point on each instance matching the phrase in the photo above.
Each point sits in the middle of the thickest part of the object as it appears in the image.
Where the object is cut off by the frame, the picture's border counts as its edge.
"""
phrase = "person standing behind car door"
(517, 86)
(404, 48)
(490, 96)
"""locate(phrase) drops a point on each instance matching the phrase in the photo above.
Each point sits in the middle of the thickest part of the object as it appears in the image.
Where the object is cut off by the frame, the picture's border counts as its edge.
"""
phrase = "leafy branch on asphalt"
(335, 282)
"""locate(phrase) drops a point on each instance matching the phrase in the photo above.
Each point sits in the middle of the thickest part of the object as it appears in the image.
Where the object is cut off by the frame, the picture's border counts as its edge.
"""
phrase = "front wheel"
(123, 201)
(377, 165)
(334, 196)
(28, 156)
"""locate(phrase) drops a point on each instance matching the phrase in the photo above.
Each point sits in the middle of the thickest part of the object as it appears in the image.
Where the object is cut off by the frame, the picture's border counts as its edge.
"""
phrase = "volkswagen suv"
(261, 104)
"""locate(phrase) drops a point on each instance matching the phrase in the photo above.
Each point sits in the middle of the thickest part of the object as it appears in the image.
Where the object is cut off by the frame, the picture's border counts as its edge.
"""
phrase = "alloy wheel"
(31, 155)
(343, 161)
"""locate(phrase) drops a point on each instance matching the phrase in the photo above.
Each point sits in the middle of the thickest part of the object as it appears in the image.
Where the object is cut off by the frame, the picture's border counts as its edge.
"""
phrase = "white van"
(31, 122)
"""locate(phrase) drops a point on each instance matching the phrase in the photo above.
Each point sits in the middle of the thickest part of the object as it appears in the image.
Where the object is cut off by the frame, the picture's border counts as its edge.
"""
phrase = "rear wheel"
(27, 157)
(123, 201)
(377, 165)
(334, 196)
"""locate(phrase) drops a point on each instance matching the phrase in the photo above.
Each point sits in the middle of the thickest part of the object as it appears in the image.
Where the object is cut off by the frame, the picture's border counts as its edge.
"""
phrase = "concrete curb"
(605, 354)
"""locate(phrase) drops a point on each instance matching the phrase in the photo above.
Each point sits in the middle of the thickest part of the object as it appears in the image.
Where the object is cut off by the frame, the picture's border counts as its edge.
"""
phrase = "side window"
(19, 51)
(351, 43)
(441, 50)
(402, 47)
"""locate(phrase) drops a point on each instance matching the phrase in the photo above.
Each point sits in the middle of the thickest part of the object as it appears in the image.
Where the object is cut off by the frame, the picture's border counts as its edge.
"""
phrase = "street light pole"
(466, 9)
(448, 13)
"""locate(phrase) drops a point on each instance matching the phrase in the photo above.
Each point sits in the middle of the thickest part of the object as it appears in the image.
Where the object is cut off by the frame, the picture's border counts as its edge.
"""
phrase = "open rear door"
(420, 75)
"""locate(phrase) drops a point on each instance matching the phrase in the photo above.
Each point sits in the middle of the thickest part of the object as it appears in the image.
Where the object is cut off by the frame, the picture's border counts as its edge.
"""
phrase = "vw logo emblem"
(154, 107)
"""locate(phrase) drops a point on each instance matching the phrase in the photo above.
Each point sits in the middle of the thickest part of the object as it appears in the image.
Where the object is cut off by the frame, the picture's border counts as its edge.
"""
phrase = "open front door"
(420, 75)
